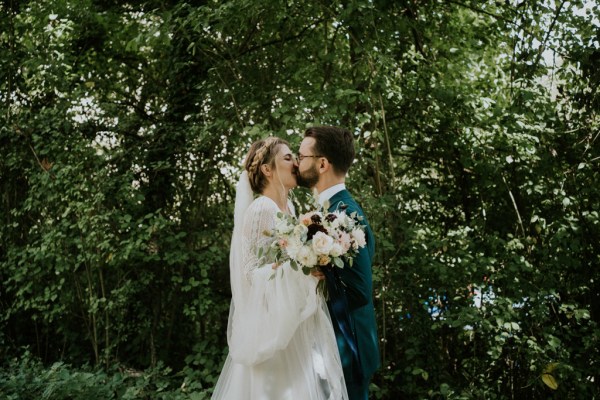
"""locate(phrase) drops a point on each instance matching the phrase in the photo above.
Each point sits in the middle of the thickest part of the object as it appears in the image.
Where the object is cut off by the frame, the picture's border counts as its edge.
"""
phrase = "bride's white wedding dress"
(281, 341)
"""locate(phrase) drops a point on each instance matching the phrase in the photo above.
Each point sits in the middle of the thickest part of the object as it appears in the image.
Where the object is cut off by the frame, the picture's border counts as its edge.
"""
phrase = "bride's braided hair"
(261, 152)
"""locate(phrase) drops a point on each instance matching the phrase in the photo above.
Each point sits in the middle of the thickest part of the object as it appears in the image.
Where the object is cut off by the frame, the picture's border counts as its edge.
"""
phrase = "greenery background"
(122, 128)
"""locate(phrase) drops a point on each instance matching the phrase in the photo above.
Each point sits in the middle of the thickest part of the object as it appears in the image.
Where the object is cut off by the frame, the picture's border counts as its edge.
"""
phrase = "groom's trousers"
(358, 390)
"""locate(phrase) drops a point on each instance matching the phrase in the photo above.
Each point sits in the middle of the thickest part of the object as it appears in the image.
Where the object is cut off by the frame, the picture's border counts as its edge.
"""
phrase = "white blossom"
(358, 235)
(306, 256)
(321, 243)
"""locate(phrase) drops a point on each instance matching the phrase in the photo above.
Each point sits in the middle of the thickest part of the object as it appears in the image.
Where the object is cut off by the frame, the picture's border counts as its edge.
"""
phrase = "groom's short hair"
(335, 144)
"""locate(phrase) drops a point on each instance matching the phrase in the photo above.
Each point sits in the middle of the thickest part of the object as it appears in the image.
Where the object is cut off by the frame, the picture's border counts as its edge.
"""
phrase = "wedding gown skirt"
(304, 369)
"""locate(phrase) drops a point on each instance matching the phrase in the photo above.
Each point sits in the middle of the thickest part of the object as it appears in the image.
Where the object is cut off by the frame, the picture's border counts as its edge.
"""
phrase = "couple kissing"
(286, 339)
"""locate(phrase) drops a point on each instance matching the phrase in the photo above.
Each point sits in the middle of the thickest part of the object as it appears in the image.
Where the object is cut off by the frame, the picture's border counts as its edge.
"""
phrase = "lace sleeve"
(259, 220)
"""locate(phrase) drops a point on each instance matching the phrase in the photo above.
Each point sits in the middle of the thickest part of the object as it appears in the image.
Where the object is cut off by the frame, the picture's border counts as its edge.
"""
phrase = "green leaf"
(550, 367)
(338, 262)
(549, 380)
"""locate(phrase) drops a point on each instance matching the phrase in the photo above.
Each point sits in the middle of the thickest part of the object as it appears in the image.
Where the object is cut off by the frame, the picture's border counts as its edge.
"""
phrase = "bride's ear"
(266, 170)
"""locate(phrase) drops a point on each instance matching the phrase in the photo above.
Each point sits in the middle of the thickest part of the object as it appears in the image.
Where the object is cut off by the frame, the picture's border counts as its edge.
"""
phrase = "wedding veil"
(243, 198)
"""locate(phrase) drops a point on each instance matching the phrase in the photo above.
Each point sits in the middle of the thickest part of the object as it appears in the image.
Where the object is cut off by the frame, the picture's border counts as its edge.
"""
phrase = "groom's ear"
(324, 165)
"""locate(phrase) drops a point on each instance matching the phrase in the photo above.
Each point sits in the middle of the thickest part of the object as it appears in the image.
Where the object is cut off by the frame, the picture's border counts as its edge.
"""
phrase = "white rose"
(336, 250)
(306, 256)
(322, 243)
(359, 238)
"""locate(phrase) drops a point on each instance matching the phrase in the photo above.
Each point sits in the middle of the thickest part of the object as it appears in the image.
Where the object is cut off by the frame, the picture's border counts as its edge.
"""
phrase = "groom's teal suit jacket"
(358, 283)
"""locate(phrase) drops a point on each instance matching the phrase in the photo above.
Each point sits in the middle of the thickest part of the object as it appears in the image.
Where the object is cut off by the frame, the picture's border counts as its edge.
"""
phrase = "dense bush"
(27, 378)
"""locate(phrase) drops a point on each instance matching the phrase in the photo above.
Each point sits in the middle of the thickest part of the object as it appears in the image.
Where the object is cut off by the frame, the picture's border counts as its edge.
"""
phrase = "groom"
(325, 156)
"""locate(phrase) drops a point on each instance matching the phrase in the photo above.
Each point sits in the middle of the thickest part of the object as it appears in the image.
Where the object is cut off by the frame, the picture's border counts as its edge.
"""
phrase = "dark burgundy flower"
(316, 218)
(313, 229)
(330, 217)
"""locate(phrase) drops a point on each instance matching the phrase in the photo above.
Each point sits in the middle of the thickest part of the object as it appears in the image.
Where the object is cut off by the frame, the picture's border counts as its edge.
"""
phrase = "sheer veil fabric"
(281, 340)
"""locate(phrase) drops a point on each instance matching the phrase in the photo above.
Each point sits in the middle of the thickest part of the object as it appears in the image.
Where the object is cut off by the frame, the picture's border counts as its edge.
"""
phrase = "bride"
(281, 341)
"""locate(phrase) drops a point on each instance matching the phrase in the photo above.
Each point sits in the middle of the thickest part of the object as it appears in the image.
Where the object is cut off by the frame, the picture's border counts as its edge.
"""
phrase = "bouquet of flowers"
(316, 239)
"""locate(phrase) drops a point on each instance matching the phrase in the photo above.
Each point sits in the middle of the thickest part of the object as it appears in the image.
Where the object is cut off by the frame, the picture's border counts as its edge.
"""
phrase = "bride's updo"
(261, 152)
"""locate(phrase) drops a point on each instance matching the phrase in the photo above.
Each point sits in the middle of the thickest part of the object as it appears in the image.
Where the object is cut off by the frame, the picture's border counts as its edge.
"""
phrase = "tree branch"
(543, 45)
(282, 40)
(480, 11)
(417, 38)
(512, 198)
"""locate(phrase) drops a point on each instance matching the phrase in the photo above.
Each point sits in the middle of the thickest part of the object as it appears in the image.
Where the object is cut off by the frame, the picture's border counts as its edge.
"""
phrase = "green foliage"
(122, 130)
(27, 378)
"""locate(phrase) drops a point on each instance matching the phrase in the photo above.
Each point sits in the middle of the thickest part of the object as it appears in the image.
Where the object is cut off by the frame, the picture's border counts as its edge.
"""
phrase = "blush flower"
(345, 241)
(306, 219)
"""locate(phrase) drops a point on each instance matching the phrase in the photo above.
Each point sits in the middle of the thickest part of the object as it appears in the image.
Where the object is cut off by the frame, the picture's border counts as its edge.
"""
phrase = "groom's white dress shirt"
(328, 193)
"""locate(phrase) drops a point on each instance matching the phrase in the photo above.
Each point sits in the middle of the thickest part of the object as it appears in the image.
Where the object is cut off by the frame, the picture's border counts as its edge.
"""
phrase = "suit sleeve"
(358, 278)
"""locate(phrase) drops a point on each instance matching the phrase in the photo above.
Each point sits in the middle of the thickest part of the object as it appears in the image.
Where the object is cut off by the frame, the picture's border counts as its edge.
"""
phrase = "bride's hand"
(317, 274)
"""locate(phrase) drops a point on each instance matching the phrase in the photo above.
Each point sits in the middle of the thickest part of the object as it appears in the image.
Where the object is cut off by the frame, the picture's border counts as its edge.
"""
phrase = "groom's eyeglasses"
(302, 157)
